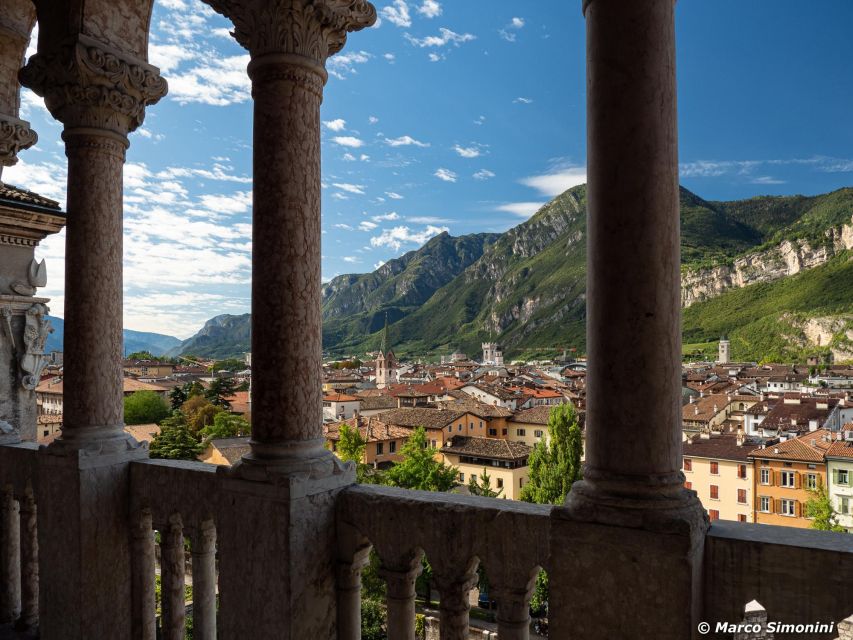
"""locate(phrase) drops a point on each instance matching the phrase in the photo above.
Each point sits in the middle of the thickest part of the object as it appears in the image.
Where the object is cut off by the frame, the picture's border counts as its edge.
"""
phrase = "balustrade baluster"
(349, 595)
(143, 572)
(454, 606)
(204, 581)
(401, 598)
(10, 557)
(29, 562)
(172, 585)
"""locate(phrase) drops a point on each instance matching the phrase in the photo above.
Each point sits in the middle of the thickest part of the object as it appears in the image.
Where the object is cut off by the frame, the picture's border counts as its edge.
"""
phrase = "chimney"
(776, 450)
(696, 410)
(740, 438)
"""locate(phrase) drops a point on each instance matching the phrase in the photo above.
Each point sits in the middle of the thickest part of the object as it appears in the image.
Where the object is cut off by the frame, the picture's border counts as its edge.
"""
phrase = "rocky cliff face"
(788, 258)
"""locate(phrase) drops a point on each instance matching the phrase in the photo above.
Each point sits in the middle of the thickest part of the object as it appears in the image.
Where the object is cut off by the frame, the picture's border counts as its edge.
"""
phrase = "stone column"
(172, 566)
(204, 581)
(454, 604)
(630, 517)
(513, 613)
(401, 599)
(10, 556)
(349, 596)
(289, 45)
(144, 567)
(99, 93)
(29, 563)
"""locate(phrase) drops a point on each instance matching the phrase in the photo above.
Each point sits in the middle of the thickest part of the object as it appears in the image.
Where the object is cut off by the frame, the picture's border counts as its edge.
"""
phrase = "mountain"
(355, 305)
(224, 336)
(155, 343)
(773, 273)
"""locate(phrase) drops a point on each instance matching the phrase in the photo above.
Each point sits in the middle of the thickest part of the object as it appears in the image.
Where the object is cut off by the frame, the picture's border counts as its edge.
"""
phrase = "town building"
(384, 441)
(785, 474)
(504, 461)
(529, 426)
(717, 467)
(148, 368)
(340, 406)
(492, 354)
(839, 472)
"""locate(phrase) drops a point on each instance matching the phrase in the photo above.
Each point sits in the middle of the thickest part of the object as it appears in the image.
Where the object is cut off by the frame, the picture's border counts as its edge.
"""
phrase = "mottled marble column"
(100, 95)
(289, 44)
(630, 521)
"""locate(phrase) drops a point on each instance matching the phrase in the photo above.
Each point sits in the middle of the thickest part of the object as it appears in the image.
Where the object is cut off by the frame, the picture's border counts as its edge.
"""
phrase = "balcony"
(277, 543)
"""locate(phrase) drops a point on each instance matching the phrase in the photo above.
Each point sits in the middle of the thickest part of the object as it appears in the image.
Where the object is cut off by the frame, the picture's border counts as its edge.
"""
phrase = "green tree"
(229, 364)
(372, 620)
(194, 388)
(199, 413)
(555, 465)
(175, 442)
(482, 486)
(177, 397)
(423, 583)
(419, 468)
(141, 355)
(143, 407)
(225, 425)
(819, 507)
(539, 600)
(219, 391)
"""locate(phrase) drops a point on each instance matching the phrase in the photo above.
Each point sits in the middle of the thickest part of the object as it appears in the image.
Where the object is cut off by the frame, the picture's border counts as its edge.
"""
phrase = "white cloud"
(427, 220)
(446, 37)
(517, 23)
(351, 259)
(522, 100)
(467, 152)
(357, 189)
(556, 182)
(379, 264)
(342, 63)
(348, 141)
(397, 236)
(217, 81)
(348, 157)
(767, 180)
(390, 57)
(335, 125)
(397, 14)
(373, 119)
(219, 172)
(430, 9)
(405, 141)
(445, 174)
(343, 226)
(483, 174)
(393, 215)
(434, 57)
(364, 157)
(508, 32)
(366, 225)
(481, 120)
(393, 195)
(521, 209)
(238, 202)
(169, 56)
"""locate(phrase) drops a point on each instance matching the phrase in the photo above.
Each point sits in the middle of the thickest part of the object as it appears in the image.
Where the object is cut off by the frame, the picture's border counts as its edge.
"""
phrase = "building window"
(472, 425)
(741, 496)
(460, 427)
(714, 514)
(741, 471)
(450, 427)
(481, 424)
(844, 505)
(842, 476)
(741, 517)
(504, 432)
(688, 464)
(379, 448)
(461, 477)
(688, 485)
(538, 433)
(434, 444)
(715, 492)
(334, 445)
(788, 507)
(787, 479)
(764, 504)
(520, 432)
(811, 481)
(520, 483)
(500, 483)
(715, 468)
(765, 476)
(392, 446)
(493, 432)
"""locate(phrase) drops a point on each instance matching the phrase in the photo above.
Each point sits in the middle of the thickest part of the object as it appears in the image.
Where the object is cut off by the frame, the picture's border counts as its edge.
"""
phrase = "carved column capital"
(15, 136)
(315, 29)
(88, 84)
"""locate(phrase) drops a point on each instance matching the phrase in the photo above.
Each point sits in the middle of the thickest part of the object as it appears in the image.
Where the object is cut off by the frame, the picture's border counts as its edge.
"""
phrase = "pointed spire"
(384, 347)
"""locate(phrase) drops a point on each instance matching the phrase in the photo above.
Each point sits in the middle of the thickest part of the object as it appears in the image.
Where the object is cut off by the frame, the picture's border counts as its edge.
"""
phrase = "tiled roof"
(420, 417)
(498, 392)
(840, 449)
(797, 416)
(704, 409)
(50, 418)
(493, 448)
(536, 415)
(14, 194)
(339, 397)
(372, 403)
(720, 447)
(131, 385)
(142, 432)
(232, 449)
(471, 405)
(371, 429)
(809, 447)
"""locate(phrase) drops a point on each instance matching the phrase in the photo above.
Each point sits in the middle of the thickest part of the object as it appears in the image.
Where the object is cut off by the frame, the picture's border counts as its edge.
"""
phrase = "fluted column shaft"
(633, 293)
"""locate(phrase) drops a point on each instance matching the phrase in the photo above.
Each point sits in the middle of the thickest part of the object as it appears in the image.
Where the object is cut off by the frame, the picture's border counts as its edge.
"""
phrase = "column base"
(302, 459)
(95, 441)
(626, 567)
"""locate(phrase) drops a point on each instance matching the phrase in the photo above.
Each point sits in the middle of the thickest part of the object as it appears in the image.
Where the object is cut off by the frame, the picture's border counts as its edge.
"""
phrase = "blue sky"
(458, 115)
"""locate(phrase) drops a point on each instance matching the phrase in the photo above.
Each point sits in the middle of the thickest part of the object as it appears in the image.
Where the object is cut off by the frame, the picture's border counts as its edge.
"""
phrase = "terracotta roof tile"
(486, 448)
